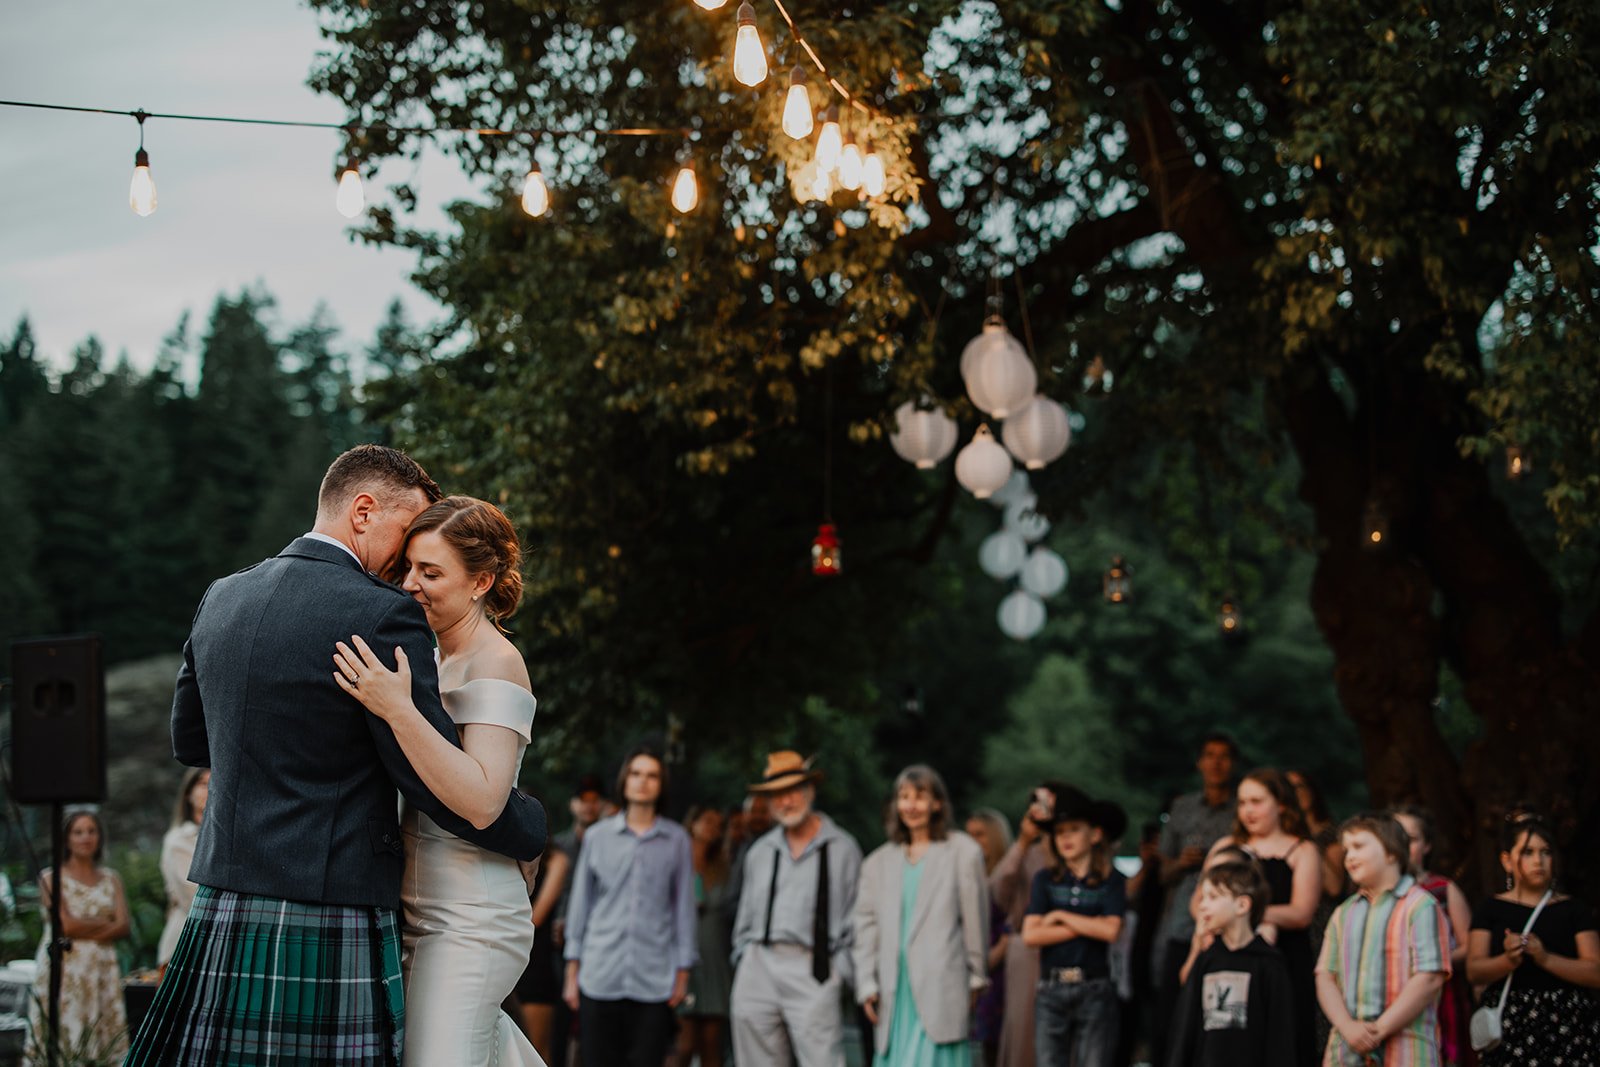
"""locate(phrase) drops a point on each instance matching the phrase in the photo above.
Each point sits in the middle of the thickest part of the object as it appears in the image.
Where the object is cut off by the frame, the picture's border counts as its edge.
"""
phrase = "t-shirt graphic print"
(1225, 996)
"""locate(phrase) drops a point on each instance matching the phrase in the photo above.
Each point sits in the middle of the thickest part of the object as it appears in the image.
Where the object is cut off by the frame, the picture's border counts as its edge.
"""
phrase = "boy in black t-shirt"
(1236, 1010)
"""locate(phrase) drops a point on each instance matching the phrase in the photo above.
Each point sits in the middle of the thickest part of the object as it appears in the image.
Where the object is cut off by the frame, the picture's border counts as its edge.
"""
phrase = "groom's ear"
(363, 509)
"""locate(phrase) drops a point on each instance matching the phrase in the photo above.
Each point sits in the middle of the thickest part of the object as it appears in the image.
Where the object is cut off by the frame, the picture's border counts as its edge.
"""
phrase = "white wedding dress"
(468, 922)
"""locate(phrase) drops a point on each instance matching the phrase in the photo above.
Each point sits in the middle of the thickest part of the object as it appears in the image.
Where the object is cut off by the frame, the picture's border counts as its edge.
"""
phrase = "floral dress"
(94, 1024)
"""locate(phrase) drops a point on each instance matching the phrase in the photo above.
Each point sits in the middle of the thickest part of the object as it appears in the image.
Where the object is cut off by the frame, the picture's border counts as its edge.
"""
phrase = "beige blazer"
(947, 943)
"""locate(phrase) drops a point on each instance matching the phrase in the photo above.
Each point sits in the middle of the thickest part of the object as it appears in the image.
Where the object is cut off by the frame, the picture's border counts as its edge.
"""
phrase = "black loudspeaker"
(58, 720)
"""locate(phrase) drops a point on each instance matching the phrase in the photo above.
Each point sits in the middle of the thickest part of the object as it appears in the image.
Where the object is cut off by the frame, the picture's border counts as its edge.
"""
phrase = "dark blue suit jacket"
(303, 779)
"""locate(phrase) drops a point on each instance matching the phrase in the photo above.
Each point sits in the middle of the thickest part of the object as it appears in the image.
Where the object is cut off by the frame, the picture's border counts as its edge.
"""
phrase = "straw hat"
(785, 770)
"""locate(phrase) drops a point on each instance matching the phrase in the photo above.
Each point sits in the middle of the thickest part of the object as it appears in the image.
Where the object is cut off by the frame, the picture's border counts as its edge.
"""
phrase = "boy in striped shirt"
(1385, 957)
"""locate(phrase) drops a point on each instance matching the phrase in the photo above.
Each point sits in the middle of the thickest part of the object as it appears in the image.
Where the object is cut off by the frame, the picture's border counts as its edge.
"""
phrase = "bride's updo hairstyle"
(484, 538)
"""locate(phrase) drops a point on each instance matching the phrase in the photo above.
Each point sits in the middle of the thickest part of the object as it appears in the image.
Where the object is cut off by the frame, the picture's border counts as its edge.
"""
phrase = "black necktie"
(819, 923)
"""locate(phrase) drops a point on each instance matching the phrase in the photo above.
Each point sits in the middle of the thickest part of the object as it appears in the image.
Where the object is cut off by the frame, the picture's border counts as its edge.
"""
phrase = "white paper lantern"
(1015, 489)
(983, 466)
(1021, 615)
(1022, 520)
(923, 437)
(1044, 574)
(999, 375)
(1002, 554)
(1037, 434)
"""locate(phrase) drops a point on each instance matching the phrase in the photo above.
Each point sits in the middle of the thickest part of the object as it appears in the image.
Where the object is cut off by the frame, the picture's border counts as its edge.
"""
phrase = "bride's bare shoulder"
(500, 659)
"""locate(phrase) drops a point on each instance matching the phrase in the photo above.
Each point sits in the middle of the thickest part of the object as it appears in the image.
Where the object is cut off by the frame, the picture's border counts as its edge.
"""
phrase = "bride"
(468, 923)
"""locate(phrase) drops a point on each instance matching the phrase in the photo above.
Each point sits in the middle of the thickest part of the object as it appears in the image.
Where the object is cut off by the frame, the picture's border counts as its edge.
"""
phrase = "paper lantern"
(1002, 554)
(1021, 615)
(999, 375)
(1037, 434)
(1022, 520)
(1015, 489)
(983, 466)
(923, 435)
(1044, 573)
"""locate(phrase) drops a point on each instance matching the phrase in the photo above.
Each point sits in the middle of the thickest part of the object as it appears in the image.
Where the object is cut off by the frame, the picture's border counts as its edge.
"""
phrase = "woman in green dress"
(921, 930)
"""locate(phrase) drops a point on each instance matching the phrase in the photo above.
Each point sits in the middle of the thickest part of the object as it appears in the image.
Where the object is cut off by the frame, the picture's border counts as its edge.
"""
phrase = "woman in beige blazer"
(921, 926)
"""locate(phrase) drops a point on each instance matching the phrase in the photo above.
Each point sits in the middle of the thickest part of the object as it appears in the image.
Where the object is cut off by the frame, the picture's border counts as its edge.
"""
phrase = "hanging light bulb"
(142, 189)
(535, 193)
(711, 5)
(1229, 622)
(850, 163)
(829, 141)
(749, 57)
(1374, 526)
(873, 179)
(822, 185)
(1117, 585)
(350, 200)
(685, 190)
(1517, 461)
(797, 120)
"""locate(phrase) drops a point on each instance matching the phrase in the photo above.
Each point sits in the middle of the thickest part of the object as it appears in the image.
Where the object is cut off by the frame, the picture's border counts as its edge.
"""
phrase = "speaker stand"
(59, 946)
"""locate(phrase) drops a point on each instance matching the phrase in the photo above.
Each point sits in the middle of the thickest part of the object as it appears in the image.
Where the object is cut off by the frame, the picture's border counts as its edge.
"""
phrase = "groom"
(291, 953)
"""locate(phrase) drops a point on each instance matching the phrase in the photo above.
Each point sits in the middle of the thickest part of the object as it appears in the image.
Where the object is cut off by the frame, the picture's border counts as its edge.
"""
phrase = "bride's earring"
(1509, 885)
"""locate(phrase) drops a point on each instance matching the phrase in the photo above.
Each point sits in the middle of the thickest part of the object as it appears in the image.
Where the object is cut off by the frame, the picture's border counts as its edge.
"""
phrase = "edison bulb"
(797, 120)
(822, 185)
(711, 5)
(535, 193)
(142, 190)
(351, 199)
(850, 165)
(873, 179)
(829, 141)
(685, 190)
(749, 57)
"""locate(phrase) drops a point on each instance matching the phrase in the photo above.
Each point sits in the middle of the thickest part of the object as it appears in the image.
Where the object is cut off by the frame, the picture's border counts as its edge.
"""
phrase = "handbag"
(1485, 1028)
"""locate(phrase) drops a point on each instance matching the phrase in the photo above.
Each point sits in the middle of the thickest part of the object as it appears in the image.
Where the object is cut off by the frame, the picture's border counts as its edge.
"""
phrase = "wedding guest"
(1270, 827)
(1324, 834)
(1010, 887)
(921, 930)
(1385, 955)
(94, 915)
(1075, 911)
(703, 1015)
(1194, 821)
(989, 828)
(538, 991)
(1553, 968)
(1235, 1010)
(631, 924)
(791, 941)
(585, 807)
(1455, 1003)
(177, 853)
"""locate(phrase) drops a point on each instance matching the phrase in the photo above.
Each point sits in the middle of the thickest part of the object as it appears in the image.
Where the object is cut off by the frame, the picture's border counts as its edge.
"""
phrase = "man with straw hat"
(791, 940)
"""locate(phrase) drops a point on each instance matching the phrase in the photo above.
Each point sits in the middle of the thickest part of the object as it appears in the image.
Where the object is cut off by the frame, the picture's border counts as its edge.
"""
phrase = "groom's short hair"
(384, 472)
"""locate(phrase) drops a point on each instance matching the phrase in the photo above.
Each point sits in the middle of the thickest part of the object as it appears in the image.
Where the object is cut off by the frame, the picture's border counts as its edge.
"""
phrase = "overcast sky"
(237, 204)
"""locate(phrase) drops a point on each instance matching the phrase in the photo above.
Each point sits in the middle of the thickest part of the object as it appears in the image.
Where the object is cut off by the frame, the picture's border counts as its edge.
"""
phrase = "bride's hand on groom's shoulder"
(359, 672)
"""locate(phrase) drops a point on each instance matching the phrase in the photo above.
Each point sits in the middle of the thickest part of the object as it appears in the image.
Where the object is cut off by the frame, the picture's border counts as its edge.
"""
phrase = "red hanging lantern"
(827, 551)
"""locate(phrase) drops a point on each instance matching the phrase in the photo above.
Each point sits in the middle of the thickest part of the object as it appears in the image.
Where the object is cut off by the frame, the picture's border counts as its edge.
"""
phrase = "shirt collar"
(315, 536)
(1400, 889)
(621, 827)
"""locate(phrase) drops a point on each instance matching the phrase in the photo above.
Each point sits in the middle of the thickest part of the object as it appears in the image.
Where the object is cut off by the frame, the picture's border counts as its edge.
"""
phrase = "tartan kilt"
(257, 981)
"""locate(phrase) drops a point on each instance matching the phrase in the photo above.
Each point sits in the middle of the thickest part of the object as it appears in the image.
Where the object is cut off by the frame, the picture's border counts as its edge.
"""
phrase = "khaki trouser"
(781, 1015)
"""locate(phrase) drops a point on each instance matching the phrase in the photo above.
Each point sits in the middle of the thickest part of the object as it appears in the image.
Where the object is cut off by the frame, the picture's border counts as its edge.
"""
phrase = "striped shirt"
(1372, 948)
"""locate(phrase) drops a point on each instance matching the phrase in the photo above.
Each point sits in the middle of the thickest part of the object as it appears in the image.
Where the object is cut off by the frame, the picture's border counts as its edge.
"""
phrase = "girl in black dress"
(1550, 1015)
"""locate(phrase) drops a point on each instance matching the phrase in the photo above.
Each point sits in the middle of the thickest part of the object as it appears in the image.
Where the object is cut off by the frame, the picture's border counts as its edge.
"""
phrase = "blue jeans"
(1075, 1024)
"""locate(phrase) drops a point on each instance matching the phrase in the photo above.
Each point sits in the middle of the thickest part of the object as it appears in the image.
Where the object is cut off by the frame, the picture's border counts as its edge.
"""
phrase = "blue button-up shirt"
(631, 919)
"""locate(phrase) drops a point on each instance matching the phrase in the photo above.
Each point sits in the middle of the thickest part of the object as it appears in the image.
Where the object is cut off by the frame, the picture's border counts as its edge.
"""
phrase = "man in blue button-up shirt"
(631, 924)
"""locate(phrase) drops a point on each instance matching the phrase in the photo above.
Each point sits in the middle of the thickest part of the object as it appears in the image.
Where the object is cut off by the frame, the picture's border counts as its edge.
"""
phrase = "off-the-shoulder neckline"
(501, 681)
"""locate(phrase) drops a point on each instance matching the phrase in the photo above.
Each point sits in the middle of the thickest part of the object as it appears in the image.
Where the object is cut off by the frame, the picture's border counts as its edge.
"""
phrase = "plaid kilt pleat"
(256, 981)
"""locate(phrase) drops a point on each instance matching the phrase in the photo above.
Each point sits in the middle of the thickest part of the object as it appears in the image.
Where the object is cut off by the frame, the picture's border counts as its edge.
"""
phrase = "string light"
(685, 189)
(535, 193)
(142, 190)
(873, 178)
(351, 199)
(797, 118)
(850, 163)
(711, 5)
(829, 142)
(749, 57)
(822, 185)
